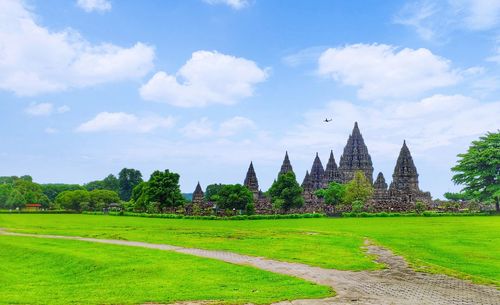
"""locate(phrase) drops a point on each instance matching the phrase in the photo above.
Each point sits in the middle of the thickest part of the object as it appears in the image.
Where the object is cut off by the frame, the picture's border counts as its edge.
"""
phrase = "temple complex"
(401, 195)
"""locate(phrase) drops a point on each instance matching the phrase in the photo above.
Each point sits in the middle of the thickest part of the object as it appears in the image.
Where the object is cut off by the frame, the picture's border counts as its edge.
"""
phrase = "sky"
(203, 87)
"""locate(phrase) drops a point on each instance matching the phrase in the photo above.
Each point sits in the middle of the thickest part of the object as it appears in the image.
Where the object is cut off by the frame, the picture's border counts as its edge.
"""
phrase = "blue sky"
(202, 87)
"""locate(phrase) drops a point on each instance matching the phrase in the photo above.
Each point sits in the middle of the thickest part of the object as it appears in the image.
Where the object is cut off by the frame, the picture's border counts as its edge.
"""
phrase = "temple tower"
(307, 186)
(405, 176)
(317, 174)
(286, 166)
(251, 181)
(380, 183)
(332, 173)
(198, 195)
(355, 157)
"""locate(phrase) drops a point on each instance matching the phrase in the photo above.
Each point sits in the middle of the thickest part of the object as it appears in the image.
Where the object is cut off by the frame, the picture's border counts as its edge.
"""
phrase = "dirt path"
(396, 285)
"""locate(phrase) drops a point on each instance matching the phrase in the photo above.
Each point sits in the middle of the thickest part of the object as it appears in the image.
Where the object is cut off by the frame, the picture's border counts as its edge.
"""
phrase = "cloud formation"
(94, 5)
(36, 60)
(125, 122)
(45, 109)
(385, 71)
(207, 78)
(433, 19)
(204, 128)
(234, 4)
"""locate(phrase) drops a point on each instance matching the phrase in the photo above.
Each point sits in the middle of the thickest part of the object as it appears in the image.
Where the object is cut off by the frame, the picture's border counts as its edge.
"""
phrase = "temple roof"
(198, 190)
(332, 174)
(251, 179)
(405, 174)
(286, 166)
(317, 173)
(380, 182)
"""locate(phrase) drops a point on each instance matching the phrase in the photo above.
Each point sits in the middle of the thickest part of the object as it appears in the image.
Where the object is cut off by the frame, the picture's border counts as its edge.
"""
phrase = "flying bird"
(328, 120)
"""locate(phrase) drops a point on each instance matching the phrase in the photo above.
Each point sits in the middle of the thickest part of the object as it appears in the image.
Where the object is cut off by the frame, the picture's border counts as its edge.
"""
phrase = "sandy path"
(396, 285)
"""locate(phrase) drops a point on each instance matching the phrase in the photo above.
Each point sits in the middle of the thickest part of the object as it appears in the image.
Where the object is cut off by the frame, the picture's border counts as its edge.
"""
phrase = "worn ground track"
(396, 285)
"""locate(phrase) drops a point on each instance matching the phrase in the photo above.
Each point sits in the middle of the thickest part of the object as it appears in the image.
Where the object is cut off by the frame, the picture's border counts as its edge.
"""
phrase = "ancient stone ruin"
(402, 194)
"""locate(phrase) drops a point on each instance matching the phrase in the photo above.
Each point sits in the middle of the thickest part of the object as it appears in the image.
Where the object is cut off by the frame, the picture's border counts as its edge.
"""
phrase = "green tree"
(102, 198)
(139, 197)
(212, 190)
(456, 196)
(286, 193)
(53, 189)
(109, 183)
(478, 170)
(333, 194)
(5, 190)
(359, 189)
(234, 196)
(128, 179)
(163, 188)
(73, 200)
(15, 200)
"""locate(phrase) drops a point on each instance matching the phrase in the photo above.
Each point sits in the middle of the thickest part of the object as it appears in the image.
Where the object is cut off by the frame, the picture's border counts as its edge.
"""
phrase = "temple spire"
(380, 183)
(286, 166)
(405, 176)
(332, 173)
(355, 157)
(198, 195)
(306, 183)
(317, 173)
(251, 181)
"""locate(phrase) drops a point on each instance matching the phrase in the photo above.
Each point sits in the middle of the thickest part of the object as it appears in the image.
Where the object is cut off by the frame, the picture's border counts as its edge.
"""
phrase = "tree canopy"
(233, 196)
(359, 189)
(128, 178)
(333, 194)
(478, 170)
(286, 192)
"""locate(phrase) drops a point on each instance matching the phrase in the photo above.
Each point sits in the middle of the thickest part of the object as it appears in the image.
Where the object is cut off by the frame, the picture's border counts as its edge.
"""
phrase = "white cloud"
(203, 128)
(35, 60)
(45, 109)
(235, 4)
(198, 129)
(478, 14)
(40, 109)
(433, 19)
(51, 130)
(207, 78)
(125, 122)
(235, 125)
(384, 71)
(63, 109)
(94, 5)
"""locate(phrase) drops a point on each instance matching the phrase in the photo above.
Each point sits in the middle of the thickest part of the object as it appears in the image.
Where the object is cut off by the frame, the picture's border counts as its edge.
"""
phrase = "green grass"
(48, 271)
(466, 247)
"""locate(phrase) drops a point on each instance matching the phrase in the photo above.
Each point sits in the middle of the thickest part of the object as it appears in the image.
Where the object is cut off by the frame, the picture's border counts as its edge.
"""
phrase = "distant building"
(31, 207)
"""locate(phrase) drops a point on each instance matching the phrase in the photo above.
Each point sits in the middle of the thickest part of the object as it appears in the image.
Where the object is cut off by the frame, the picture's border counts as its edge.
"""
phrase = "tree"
(333, 194)
(211, 191)
(139, 197)
(128, 178)
(163, 188)
(5, 190)
(53, 189)
(358, 189)
(478, 170)
(456, 196)
(234, 196)
(286, 192)
(15, 200)
(73, 200)
(109, 183)
(102, 198)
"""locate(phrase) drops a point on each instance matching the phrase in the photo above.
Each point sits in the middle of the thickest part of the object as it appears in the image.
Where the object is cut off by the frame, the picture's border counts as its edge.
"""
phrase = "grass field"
(467, 247)
(46, 271)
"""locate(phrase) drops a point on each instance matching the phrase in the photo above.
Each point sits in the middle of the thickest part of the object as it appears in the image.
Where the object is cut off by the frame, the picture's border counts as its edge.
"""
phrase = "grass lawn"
(467, 247)
(47, 271)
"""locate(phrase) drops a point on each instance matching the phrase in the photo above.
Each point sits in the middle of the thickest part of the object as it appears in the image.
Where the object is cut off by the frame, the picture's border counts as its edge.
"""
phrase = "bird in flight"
(328, 120)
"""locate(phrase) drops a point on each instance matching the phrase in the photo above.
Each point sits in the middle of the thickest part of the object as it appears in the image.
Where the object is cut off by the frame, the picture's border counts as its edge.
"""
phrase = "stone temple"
(401, 195)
